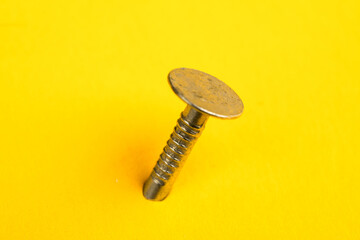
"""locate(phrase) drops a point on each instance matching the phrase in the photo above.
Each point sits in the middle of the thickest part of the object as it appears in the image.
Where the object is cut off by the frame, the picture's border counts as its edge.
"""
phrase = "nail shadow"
(138, 159)
(133, 157)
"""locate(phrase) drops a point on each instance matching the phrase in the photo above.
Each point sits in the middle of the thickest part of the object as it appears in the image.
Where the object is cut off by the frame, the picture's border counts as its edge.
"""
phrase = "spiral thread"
(188, 129)
(176, 151)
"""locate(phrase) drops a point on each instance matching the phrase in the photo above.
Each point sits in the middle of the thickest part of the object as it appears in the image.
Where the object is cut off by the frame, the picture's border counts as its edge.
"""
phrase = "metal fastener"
(206, 96)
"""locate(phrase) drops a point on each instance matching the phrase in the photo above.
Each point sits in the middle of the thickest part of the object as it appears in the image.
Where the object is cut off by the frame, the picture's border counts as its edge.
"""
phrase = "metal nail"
(206, 96)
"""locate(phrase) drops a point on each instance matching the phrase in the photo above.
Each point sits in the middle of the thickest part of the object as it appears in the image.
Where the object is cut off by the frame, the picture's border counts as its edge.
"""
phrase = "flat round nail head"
(205, 93)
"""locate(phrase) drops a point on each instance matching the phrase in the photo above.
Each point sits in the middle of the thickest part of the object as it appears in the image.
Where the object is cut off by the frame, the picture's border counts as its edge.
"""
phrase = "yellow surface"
(82, 86)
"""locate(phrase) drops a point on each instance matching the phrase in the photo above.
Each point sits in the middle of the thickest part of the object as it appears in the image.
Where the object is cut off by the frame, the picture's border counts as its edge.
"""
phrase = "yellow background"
(85, 110)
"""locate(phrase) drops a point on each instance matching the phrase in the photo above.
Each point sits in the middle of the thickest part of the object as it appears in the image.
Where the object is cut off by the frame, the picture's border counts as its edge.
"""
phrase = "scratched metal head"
(205, 93)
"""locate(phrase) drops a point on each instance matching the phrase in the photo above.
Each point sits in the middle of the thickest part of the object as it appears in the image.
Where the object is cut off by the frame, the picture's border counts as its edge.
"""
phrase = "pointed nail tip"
(153, 199)
(149, 197)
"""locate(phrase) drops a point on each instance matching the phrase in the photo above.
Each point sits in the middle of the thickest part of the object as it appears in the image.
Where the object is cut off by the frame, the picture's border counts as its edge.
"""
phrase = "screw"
(206, 96)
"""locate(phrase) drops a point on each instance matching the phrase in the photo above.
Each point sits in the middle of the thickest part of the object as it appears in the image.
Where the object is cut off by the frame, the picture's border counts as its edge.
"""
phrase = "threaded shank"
(188, 128)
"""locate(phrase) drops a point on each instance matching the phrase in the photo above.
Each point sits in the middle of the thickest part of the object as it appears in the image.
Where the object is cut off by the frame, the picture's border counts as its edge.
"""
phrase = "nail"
(206, 96)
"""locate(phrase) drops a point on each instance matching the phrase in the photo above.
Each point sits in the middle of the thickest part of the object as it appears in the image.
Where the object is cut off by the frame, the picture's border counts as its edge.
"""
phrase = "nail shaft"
(187, 131)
